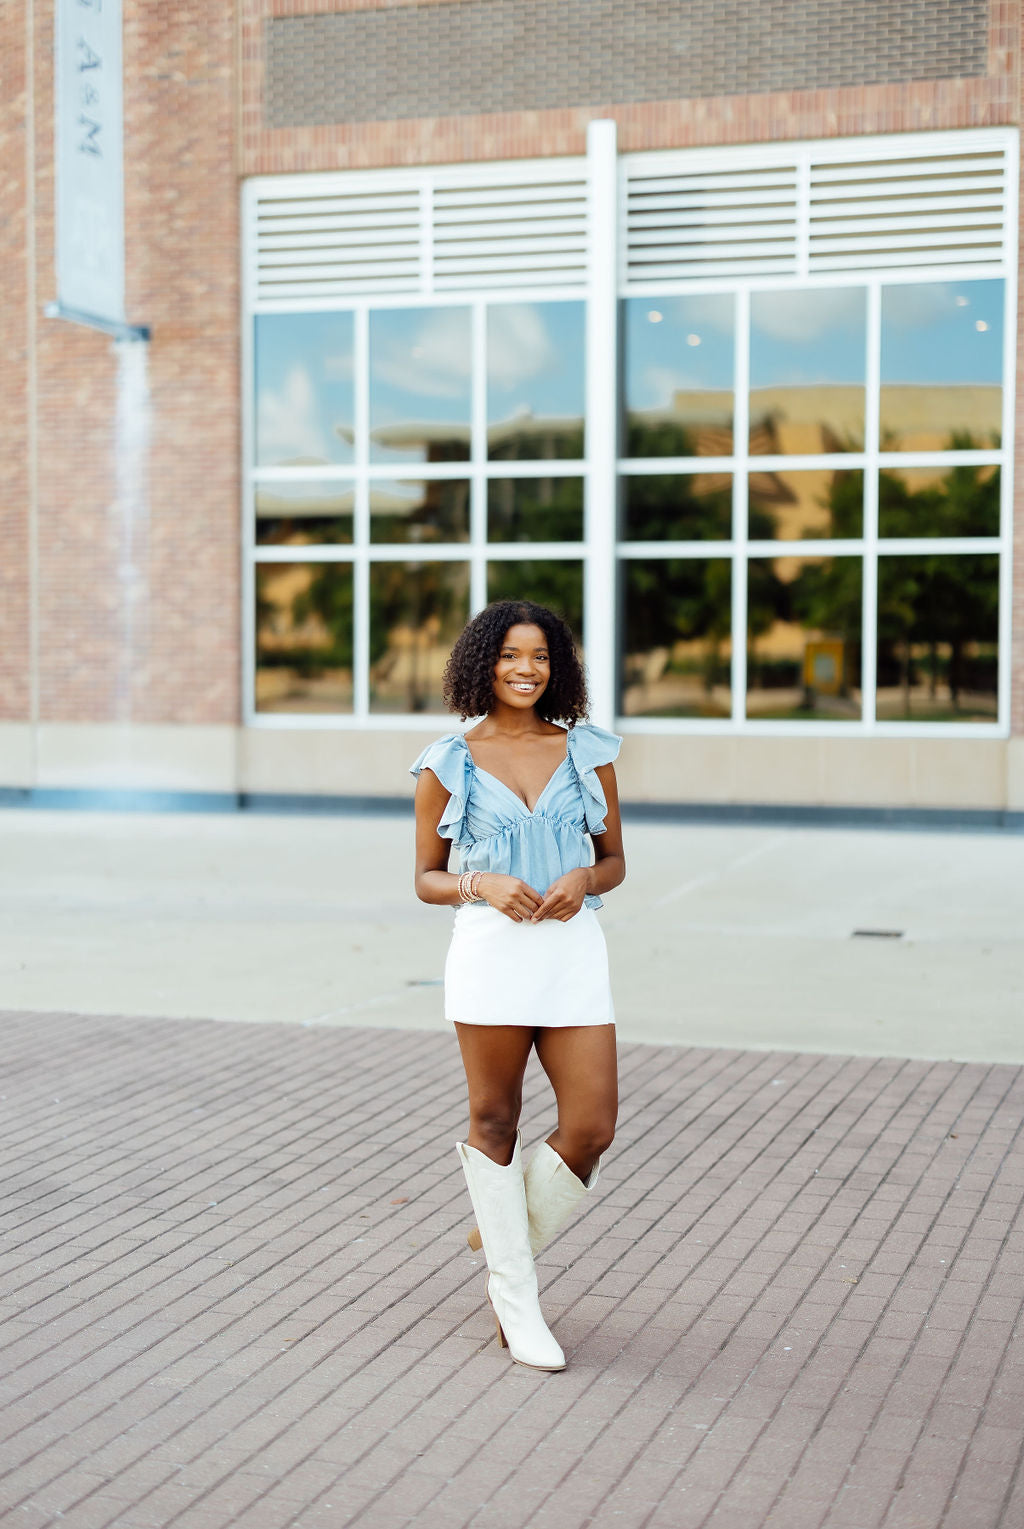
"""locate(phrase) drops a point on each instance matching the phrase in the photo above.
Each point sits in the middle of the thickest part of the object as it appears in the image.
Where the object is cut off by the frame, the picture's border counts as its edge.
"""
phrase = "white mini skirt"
(552, 974)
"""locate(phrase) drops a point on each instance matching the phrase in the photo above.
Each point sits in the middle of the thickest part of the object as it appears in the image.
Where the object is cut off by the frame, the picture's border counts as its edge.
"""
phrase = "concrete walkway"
(234, 1286)
(730, 936)
(236, 1292)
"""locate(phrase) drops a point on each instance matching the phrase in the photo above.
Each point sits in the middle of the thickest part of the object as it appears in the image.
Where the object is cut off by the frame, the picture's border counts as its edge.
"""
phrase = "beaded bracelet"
(469, 883)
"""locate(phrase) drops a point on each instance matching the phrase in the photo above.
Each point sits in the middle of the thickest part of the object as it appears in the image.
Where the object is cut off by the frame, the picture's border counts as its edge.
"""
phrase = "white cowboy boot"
(552, 1193)
(499, 1199)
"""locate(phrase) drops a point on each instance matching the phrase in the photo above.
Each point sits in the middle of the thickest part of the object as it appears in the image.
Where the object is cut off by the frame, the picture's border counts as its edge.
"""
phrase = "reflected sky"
(535, 361)
(943, 331)
(676, 344)
(810, 336)
(304, 389)
(420, 364)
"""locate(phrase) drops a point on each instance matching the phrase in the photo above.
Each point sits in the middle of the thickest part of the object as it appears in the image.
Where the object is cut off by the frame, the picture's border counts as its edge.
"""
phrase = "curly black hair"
(468, 684)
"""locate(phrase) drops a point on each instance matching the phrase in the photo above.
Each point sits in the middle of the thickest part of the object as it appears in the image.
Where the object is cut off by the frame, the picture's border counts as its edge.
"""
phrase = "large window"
(411, 462)
(867, 439)
(755, 451)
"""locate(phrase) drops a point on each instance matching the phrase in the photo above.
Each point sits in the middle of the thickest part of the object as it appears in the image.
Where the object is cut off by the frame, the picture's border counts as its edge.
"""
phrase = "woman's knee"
(590, 1139)
(495, 1121)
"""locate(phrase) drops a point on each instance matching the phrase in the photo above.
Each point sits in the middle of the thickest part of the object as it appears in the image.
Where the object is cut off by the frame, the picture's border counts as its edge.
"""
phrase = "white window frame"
(601, 469)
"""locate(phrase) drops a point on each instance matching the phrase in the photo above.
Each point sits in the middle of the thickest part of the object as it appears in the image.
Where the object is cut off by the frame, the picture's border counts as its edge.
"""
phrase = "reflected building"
(423, 337)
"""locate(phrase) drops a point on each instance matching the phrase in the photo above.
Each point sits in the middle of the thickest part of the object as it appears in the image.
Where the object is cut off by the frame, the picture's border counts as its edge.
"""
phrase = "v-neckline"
(530, 811)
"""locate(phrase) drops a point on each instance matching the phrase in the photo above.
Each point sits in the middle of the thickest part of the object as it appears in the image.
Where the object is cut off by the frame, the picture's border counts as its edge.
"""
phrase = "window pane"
(939, 501)
(678, 376)
(303, 514)
(803, 638)
(535, 381)
(807, 361)
(796, 506)
(419, 512)
(304, 637)
(556, 584)
(938, 638)
(416, 612)
(535, 510)
(420, 385)
(942, 366)
(304, 389)
(677, 507)
(678, 644)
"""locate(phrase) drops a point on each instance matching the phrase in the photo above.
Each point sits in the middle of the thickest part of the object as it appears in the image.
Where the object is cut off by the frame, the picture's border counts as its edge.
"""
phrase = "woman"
(523, 797)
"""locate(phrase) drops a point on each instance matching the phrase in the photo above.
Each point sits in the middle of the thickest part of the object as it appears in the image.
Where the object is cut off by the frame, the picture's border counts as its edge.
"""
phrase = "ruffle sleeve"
(588, 747)
(449, 760)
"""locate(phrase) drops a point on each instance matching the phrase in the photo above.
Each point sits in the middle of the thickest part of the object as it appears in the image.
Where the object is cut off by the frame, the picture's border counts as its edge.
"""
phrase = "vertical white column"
(599, 604)
(361, 517)
(869, 596)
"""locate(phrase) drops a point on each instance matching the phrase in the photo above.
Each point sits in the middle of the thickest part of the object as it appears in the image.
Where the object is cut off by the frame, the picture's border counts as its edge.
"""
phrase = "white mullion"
(869, 566)
(803, 215)
(478, 455)
(511, 552)
(600, 497)
(1005, 626)
(740, 513)
(248, 381)
(361, 519)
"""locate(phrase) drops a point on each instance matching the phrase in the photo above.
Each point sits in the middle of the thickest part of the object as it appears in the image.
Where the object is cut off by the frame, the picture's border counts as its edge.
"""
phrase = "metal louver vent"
(331, 245)
(423, 232)
(510, 235)
(813, 209)
(702, 223)
(937, 209)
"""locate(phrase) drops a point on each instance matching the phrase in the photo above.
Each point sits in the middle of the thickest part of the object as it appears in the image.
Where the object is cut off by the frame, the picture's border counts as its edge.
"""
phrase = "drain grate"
(877, 934)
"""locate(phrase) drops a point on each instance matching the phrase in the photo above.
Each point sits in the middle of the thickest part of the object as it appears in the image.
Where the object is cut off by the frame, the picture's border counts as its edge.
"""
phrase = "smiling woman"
(528, 797)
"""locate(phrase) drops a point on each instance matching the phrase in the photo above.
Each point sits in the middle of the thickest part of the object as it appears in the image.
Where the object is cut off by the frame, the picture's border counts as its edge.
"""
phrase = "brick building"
(698, 320)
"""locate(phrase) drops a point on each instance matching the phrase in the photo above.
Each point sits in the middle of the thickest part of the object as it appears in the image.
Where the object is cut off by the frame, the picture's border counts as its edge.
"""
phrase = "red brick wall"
(14, 377)
(840, 112)
(182, 264)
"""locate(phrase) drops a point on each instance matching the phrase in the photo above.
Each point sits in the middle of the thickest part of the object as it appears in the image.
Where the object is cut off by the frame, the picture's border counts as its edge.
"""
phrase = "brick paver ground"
(236, 1291)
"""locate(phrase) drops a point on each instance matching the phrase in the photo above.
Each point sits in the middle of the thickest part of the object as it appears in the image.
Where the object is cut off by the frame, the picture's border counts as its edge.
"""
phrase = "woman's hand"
(564, 897)
(510, 896)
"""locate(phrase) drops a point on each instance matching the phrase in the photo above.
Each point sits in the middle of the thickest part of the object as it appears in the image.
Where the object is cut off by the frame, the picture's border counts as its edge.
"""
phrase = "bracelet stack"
(469, 883)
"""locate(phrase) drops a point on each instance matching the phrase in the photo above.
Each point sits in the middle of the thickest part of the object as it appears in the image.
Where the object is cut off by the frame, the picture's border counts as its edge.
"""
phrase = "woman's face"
(523, 669)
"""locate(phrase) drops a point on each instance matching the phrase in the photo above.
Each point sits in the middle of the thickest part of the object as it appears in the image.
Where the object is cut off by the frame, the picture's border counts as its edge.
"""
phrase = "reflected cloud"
(432, 361)
(286, 420)
(805, 315)
(519, 346)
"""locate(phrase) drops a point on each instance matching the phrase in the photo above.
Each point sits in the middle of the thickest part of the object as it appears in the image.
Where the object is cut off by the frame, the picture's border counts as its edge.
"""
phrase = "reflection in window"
(938, 638)
(678, 380)
(942, 366)
(304, 389)
(304, 637)
(420, 385)
(677, 624)
(677, 507)
(812, 503)
(939, 501)
(554, 583)
(432, 511)
(803, 639)
(416, 612)
(535, 381)
(807, 365)
(303, 514)
(535, 510)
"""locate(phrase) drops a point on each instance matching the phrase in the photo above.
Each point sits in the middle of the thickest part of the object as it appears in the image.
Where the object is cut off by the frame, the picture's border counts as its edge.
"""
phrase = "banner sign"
(89, 161)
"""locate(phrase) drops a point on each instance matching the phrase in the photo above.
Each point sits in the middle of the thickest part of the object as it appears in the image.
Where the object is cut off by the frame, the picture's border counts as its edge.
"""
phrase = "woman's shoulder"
(590, 746)
(446, 756)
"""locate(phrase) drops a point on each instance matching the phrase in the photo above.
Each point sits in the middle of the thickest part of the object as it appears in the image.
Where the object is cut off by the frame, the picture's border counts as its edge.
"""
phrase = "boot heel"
(502, 1340)
(474, 1239)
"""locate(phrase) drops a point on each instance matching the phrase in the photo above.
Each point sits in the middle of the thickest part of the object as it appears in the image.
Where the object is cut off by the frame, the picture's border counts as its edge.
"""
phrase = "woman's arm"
(434, 882)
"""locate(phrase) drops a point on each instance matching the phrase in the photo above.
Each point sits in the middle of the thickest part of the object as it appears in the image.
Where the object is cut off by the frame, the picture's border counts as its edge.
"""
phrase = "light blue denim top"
(493, 828)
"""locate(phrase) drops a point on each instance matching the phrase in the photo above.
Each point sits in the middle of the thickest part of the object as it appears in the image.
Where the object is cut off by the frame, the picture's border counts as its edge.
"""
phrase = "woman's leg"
(581, 1064)
(495, 1058)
